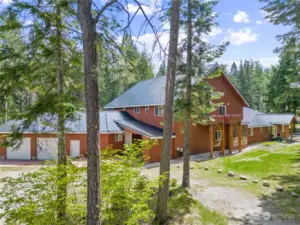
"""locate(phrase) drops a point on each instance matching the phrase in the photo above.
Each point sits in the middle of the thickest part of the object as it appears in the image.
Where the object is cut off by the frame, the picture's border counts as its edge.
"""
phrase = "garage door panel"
(47, 148)
(22, 152)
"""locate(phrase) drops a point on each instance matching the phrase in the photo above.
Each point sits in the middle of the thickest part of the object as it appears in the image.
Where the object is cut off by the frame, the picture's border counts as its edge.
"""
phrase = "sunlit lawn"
(279, 164)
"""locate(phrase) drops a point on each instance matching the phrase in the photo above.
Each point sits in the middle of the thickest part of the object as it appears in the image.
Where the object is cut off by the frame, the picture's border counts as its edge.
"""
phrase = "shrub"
(125, 192)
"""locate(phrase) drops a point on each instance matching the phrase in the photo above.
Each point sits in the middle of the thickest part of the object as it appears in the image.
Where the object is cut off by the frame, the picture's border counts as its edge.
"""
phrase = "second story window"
(158, 110)
(136, 110)
(222, 110)
(146, 109)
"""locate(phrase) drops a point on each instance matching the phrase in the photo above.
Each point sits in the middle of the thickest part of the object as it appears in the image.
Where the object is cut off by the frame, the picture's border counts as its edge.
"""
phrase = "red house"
(138, 114)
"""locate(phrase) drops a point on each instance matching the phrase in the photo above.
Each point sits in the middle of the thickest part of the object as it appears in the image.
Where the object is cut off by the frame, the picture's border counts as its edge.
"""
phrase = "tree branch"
(99, 14)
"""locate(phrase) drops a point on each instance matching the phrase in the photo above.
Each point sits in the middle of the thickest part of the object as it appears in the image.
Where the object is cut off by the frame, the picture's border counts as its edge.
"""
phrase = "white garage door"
(74, 148)
(46, 148)
(23, 152)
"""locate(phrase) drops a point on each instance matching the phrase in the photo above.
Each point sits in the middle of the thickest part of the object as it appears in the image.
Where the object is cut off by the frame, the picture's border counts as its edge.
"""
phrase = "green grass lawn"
(279, 164)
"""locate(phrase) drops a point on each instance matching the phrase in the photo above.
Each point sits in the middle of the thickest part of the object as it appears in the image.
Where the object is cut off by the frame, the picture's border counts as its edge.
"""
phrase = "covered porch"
(226, 133)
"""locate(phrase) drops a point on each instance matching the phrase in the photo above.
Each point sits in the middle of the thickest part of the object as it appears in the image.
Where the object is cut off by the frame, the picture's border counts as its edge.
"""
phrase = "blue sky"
(242, 23)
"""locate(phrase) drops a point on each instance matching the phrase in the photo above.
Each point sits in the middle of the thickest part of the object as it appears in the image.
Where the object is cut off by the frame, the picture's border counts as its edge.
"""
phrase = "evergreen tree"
(234, 70)
(195, 54)
(162, 69)
(47, 56)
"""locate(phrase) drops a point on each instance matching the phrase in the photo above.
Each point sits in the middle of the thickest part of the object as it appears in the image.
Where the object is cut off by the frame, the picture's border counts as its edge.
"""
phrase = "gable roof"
(152, 92)
(256, 118)
(110, 122)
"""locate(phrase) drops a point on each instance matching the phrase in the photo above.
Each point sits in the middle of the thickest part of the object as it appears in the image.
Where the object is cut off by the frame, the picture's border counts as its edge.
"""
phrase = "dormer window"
(222, 110)
(136, 110)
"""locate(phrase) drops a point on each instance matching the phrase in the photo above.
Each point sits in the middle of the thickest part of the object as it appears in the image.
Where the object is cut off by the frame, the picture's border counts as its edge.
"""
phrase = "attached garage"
(46, 148)
(74, 148)
(22, 152)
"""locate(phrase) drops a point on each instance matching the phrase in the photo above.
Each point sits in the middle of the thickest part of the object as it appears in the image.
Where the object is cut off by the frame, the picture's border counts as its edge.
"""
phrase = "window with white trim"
(146, 109)
(282, 128)
(118, 137)
(217, 135)
(158, 110)
(261, 130)
(136, 110)
(222, 110)
(251, 132)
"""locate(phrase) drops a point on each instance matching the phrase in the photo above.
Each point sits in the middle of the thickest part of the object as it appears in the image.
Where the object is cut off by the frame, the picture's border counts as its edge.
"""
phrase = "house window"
(235, 131)
(159, 110)
(118, 137)
(217, 135)
(282, 128)
(244, 131)
(251, 131)
(222, 110)
(136, 110)
(146, 109)
(261, 130)
(124, 109)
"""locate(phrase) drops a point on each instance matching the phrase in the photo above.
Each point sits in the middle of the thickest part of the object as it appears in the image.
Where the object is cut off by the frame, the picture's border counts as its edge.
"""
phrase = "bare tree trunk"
(62, 158)
(187, 121)
(163, 192)
(88, 28)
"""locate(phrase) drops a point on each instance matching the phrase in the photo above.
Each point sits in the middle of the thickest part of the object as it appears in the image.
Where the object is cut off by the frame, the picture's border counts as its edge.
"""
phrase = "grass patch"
(279, 165)
(183, 209)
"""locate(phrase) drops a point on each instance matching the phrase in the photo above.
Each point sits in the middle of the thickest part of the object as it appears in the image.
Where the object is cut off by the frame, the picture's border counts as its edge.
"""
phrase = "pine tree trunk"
(187, 121)
(88, 28)
(163, 192)
(62, 159)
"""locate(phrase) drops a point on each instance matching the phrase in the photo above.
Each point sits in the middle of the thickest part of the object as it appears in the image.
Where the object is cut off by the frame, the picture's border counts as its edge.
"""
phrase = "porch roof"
(256, 118)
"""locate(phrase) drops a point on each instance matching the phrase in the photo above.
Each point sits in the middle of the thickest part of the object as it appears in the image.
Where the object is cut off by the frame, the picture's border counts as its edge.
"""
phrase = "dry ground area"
(244, 202)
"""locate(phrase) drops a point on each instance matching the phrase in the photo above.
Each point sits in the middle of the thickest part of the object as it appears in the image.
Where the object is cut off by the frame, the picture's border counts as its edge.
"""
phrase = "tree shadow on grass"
(281, 204)
(180, 203)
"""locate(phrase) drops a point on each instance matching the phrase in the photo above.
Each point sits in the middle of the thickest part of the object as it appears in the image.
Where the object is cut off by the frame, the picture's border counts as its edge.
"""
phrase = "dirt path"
(240, 206)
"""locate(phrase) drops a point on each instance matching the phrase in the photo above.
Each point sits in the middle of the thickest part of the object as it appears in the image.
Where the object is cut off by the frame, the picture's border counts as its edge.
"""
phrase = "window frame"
(251, 131)
(118, 137)
(261, 129)
(223, 107)
(159, 110)
(147, 109)
(282, 128)
(137, 111)
(218, 135)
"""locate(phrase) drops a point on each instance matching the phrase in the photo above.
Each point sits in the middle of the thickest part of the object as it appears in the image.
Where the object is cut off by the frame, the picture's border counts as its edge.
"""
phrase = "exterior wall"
(233, 102)
(266, 135)
(105, 140)
(282, 134)
(154, 153)
(148, 118)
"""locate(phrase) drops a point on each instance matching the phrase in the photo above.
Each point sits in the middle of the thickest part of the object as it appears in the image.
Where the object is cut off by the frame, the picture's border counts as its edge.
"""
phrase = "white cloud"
(259, 22)
(242, 36)
(241, 17)
(132, 8)
(264, 14)
(268, 61)
(5, 2)
(215, 31)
